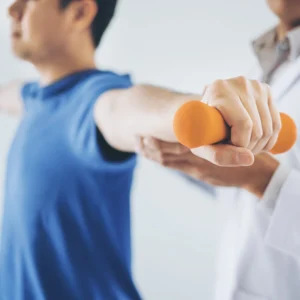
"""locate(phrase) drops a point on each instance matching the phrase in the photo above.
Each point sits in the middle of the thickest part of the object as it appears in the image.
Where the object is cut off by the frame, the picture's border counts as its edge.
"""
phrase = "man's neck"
(59, 68)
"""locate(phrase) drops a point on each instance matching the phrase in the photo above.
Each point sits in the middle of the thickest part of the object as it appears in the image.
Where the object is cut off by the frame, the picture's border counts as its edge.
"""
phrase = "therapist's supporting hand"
(254, 178)
(248, 108)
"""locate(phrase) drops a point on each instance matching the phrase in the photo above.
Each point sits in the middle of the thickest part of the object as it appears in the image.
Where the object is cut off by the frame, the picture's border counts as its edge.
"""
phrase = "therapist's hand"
(248, 108)
(254, 178)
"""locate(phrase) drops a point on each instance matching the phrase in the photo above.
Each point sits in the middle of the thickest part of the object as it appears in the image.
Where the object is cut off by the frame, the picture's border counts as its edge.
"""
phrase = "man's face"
(287, 10)
(39, 28)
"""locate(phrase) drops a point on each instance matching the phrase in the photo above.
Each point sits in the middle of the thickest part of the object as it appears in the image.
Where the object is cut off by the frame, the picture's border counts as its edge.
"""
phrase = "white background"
(181, 45)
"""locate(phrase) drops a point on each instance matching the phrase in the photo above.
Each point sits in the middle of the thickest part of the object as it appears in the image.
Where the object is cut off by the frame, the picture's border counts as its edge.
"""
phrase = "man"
(260, 251)
(66, 223)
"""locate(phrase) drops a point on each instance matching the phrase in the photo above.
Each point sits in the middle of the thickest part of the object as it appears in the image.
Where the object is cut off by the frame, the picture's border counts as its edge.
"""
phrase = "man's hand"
(248, 109)
(254, 178)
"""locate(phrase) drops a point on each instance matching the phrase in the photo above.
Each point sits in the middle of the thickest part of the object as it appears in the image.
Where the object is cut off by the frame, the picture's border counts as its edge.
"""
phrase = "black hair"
(106, 10)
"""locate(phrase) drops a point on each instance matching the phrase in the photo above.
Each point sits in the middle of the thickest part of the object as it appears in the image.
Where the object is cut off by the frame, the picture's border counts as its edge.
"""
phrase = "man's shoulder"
(106, 79)
(93, 87)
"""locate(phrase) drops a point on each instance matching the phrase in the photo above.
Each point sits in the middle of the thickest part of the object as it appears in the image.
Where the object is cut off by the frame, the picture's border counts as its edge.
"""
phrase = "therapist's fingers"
(160, 151)
(225, 155)
(151, 143)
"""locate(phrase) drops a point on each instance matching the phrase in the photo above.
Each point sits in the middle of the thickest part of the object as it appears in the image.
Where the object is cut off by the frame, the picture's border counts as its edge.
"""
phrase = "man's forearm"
(143, 110)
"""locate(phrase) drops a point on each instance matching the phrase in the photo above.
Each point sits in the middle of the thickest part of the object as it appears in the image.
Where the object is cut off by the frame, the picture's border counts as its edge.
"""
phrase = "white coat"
(260, 250)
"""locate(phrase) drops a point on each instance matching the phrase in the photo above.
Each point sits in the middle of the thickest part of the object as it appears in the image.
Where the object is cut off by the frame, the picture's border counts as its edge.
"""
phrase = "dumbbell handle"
(197, 124)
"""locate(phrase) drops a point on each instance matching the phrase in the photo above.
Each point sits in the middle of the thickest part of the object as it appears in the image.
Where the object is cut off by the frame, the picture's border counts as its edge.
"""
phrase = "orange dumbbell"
(197, 124)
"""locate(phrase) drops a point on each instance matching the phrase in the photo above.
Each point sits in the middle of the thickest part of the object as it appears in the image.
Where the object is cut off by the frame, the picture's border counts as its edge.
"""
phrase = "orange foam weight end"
(287, 135)
(197, 124)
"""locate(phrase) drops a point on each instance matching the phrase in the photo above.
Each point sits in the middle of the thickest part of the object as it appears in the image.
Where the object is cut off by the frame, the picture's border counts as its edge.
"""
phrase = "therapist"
(260, 250)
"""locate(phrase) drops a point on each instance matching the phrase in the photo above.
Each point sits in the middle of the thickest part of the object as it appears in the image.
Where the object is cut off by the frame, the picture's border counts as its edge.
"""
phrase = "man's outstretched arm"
(10, 98)
(122, 115)
(144, 110)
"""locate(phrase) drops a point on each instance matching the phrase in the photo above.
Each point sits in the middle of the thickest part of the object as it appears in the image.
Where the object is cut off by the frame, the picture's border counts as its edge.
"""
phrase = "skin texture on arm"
(144, 110)
(121, 115)
(10, 98)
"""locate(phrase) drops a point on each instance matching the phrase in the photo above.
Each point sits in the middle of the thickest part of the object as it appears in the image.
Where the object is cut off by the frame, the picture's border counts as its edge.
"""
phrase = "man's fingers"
(263, 129)
(225, 96)
(246, 106)
(267, 128)
(276, 121)
(225, 155)
(255, 103)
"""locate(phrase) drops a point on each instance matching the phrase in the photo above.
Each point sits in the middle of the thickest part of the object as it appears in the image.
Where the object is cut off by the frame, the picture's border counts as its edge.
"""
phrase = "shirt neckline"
(63, 84)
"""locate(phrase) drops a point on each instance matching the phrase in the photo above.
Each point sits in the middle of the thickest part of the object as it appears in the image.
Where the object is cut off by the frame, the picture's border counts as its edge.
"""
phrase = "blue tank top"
(66, 222)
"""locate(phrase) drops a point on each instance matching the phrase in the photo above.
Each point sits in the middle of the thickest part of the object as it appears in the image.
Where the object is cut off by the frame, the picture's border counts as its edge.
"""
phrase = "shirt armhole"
(92, 148)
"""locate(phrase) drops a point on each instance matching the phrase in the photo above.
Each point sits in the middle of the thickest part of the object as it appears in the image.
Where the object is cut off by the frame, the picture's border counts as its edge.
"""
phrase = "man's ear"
(83, 13)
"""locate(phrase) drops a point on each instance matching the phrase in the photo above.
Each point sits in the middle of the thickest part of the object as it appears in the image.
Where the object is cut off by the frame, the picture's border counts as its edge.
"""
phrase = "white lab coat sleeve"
(272, 191)
(282, 199)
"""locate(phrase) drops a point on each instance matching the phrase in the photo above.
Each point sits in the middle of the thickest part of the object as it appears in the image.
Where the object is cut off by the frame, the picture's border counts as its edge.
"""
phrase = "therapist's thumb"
(225, 155)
